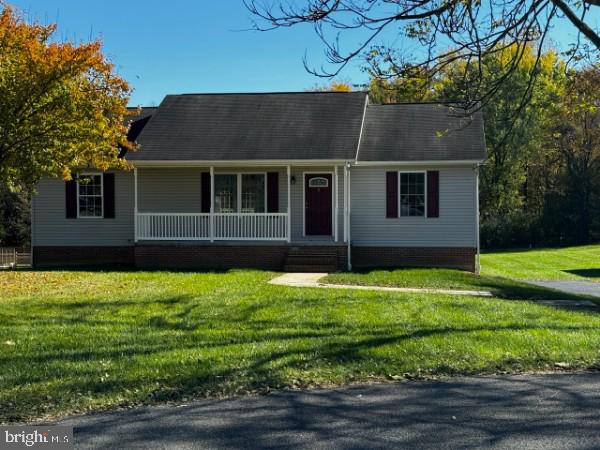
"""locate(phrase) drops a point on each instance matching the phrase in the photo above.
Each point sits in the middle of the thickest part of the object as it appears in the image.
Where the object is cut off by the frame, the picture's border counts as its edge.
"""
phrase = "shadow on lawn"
(457, 279)
(167, 348)
(121, 268)
(585, 273)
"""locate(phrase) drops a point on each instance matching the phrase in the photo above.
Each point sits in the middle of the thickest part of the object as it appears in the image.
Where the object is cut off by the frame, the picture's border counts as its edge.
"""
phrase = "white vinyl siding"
(455, 227)
(52, 228)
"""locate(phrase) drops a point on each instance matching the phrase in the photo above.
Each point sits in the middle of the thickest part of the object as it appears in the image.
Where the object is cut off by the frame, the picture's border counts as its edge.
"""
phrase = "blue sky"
(193, 45)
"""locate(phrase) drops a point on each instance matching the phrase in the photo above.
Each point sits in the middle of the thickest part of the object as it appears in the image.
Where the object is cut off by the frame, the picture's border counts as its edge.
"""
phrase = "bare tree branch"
(446, 31)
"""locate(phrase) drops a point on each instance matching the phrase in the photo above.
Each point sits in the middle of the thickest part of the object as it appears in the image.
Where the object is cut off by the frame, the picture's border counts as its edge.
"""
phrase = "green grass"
(447, 279)
(500, 273)
(79, 341)
(571, 263)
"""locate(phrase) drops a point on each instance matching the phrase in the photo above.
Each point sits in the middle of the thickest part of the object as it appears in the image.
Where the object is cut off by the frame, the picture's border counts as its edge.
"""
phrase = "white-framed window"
(412, 194)
(240, 192)
(90, 203)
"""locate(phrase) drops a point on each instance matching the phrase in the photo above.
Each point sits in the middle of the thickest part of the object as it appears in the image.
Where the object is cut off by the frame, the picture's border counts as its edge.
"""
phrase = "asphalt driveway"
(555, 411)
(572, 287)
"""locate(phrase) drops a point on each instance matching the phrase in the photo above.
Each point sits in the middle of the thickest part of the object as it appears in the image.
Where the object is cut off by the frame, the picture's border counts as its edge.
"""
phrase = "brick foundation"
(83, 256)
(449, 257)
(269, 257)
(206, 257)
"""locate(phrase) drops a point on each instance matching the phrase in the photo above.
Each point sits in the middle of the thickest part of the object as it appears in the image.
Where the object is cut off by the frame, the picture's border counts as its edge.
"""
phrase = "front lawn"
(446, 279)
(570, 263)
(77, 341)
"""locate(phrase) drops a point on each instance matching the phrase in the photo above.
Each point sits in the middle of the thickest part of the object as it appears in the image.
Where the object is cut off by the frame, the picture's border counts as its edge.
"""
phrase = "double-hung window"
(240, 193)
(412, 194)
(89, 195)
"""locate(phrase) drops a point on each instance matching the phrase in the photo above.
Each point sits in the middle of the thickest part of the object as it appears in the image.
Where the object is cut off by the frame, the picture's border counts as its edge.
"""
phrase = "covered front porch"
(241, 202)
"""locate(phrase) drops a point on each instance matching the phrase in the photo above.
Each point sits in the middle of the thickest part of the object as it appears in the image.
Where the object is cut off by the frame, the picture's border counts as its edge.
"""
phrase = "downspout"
(135, 205)
(31, 225)
(347, 176)
(477, 242)
(349, 210)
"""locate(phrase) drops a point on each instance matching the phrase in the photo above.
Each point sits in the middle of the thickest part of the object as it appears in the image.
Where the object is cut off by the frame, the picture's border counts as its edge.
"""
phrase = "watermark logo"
(34, 437)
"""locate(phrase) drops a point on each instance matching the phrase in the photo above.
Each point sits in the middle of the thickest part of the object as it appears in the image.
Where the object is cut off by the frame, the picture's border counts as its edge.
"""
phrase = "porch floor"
(300, 243)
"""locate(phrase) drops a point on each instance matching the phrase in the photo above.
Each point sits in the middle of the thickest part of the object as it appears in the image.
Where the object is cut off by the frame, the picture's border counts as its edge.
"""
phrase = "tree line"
(63, 106)
(540, 184)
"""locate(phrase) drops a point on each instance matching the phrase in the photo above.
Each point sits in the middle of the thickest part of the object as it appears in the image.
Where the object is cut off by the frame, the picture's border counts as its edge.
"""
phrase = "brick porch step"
(328, 260)
(310, 259)
(309, 268)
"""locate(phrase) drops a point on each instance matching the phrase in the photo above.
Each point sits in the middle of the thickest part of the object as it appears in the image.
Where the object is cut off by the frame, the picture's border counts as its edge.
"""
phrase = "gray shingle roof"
(137, 123)
(253, 127)
(411, 132)
(303, 126)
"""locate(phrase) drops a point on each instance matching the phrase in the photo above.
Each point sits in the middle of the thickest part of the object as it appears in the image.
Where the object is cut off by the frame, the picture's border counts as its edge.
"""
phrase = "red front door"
(317, 207)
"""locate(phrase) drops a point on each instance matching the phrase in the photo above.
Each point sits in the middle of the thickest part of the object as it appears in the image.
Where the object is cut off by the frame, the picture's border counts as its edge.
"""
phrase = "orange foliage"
(62, 105)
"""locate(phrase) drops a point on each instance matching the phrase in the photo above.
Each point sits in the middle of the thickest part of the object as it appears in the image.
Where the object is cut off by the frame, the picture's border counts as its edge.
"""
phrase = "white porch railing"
(167, 226)
(194, 226)
(263, 226)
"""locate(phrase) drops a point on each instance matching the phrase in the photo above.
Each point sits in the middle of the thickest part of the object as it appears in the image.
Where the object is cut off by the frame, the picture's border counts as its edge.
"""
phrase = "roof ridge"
(444, 103)
(268, 93)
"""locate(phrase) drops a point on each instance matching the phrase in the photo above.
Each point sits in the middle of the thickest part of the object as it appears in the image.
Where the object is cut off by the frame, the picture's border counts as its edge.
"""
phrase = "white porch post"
(337, 204)
(135, 204)
(212, 204)
(289, 204)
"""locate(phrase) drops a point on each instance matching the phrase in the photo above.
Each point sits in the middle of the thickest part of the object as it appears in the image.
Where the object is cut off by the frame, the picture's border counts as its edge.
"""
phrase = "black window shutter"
(71, 198)
(391, 194)
(273, 192)
(205, 192)
(108, 186)
(433, 193)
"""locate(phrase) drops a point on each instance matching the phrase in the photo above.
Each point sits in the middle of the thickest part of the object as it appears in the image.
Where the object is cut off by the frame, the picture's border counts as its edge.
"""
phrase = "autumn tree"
(61, 104)
(333, 86)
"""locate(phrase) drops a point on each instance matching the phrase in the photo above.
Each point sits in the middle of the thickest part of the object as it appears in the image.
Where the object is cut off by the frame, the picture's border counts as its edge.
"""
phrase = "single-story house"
(294, 181)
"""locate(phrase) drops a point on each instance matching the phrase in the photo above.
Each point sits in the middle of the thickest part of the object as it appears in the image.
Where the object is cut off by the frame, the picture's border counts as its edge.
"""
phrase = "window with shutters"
(89, 195)
(242, 192)
(412, 194)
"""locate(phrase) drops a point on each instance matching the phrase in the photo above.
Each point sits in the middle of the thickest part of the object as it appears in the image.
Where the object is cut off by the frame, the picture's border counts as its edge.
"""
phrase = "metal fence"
(12, 257)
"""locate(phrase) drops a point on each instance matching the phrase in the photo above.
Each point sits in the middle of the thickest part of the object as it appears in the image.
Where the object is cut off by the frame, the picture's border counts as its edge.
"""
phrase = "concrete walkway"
(312, 280)
(558, 411)
(571, 287)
